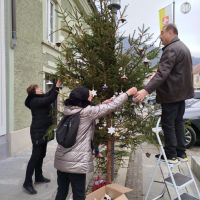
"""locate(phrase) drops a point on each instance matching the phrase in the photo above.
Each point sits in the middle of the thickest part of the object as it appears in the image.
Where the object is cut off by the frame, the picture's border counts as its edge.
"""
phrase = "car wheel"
(190, 137)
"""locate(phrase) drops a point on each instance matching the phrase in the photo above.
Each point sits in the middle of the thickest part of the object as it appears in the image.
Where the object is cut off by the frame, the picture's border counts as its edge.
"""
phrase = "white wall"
(2, 72)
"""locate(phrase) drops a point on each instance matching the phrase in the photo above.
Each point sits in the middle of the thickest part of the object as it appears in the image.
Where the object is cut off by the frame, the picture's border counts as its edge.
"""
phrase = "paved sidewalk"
(140, 171)
(136, 173)
(12, 175)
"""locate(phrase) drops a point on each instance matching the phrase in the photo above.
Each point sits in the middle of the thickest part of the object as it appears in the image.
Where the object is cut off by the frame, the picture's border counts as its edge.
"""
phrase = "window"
(51, 19)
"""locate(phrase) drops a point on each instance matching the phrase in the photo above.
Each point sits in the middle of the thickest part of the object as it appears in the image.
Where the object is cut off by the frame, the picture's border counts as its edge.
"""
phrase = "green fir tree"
(93, 55)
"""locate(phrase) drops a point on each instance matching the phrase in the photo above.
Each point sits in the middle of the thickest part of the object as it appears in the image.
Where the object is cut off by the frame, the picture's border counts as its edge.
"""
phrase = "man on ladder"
(173, 83)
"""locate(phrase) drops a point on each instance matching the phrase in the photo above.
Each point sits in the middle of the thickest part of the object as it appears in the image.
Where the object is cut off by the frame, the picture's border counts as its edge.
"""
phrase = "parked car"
(192, 122)
(191, 117)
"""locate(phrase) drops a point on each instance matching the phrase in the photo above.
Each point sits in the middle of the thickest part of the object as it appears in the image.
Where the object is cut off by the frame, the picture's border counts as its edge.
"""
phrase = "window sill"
(51, 46)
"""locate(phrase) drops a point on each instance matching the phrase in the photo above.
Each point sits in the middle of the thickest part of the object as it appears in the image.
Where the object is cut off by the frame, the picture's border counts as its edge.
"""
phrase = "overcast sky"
(146, 12)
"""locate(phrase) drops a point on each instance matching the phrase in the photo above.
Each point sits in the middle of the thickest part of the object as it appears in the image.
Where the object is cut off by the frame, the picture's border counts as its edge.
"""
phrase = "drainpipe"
(14, 32)
(173, 11)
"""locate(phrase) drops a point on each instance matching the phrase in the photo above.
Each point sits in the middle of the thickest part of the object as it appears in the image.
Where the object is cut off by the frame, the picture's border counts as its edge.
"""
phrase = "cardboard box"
(115, 191)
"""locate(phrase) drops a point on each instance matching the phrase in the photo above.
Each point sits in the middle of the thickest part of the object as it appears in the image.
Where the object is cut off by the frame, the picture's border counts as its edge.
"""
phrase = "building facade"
(28, 53)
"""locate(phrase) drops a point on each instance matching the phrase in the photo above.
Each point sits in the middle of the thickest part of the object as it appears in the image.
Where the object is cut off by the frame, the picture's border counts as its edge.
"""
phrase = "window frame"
(51, 28)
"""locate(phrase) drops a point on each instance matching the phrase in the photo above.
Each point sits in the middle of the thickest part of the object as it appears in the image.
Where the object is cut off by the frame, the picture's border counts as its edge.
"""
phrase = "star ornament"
(111, 130)
(93, 92)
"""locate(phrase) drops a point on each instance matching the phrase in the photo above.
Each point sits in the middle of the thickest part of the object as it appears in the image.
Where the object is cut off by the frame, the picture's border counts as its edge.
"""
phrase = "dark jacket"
(40, 106)
(173, 80)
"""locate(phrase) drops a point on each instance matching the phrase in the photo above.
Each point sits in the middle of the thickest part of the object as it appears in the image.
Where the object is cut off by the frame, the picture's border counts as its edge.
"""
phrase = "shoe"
(182, 157)
(172, 160)
(30, 189)
(42, 180)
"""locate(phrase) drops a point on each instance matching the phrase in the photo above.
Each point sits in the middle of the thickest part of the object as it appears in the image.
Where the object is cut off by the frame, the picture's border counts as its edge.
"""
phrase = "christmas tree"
(93, 55)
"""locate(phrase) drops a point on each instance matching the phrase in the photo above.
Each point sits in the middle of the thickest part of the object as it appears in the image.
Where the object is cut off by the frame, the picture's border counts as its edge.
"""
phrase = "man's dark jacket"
(41, 110)
(173, 80)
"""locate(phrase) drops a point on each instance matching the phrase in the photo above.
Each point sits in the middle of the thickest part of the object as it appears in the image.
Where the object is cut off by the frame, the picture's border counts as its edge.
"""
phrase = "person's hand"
(58, 83)
(132, 91)
(141, 95)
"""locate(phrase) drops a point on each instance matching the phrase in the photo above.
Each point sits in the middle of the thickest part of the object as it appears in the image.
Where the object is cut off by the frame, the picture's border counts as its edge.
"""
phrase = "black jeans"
(77, 183)
(35, 163)
(173, 128)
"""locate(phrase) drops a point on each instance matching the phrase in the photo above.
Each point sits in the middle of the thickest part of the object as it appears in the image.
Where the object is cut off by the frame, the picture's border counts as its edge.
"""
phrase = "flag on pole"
(166, 15)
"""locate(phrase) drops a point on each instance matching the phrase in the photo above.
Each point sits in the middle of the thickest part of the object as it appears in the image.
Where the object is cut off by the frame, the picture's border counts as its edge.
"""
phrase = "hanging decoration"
(111, 130)
(93, 92)
(104, 87)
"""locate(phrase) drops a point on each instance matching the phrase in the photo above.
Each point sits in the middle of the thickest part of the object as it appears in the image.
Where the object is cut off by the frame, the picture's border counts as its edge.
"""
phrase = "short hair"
(171, 27)
(31, 89)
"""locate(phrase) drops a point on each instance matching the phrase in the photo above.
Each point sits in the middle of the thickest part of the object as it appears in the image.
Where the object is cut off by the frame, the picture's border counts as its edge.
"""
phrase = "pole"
(14, 30)
(109, 161)
(173, 11)
(110, 145)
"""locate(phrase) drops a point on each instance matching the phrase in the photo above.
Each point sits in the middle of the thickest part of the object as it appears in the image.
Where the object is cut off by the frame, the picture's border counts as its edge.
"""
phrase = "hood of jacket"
(70, 110)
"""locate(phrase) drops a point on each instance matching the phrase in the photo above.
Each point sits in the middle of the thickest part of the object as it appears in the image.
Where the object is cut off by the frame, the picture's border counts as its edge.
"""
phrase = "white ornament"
(93, 92)
(104, 87)
(113, 97)
(107, 197)
(97, 121)
(111, 130)
(121, 92)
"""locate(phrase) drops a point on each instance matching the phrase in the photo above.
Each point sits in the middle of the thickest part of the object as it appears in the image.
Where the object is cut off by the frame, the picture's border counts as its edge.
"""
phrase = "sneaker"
(172, 160)
(183, 157)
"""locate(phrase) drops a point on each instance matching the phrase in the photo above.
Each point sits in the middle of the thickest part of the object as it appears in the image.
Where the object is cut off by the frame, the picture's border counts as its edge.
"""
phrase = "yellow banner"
(166, 15)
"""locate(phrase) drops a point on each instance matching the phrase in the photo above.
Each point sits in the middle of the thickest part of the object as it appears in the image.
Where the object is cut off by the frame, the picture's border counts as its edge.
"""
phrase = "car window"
(196, 104)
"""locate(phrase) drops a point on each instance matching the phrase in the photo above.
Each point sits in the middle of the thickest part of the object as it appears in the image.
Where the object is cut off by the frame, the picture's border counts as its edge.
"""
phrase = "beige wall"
(32, 56)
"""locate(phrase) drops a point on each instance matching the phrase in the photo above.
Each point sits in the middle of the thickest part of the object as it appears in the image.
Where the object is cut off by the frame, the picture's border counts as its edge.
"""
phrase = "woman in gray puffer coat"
(74, 163)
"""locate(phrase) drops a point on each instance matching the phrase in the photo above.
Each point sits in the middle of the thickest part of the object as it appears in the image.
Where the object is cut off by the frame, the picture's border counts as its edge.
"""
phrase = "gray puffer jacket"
(78, 158)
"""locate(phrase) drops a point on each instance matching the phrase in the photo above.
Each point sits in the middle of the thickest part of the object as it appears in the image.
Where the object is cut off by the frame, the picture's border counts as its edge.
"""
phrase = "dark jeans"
(173, 128)
(35, 163)
(77, 183)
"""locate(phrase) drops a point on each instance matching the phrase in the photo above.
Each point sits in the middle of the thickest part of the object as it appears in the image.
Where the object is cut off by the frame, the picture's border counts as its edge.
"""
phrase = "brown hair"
(31, 89)
(171, 27)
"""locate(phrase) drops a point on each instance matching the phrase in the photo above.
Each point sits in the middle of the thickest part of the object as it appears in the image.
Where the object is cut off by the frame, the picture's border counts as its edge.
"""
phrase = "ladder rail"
(157, 130)
(181, 170)
(152, 179)
(165, 157)
(165, 182)
(192, 176)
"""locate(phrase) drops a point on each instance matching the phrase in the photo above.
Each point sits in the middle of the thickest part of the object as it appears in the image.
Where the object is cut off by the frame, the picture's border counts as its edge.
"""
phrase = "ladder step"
(157, 129)
(186, 196)
(180, 180)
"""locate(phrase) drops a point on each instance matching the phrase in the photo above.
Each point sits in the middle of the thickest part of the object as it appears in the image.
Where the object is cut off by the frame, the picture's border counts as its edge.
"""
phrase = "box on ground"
(115, 191)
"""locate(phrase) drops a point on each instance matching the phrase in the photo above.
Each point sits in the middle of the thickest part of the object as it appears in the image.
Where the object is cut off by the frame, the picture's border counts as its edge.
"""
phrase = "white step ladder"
(177, 180)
